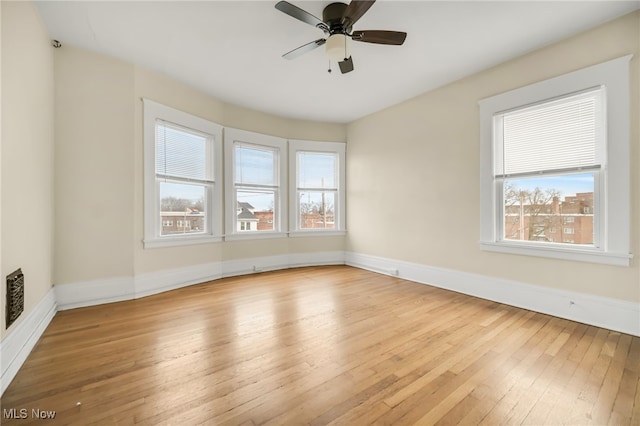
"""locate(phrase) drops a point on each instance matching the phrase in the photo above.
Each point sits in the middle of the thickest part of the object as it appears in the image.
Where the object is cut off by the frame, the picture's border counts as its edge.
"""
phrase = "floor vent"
(15, 296)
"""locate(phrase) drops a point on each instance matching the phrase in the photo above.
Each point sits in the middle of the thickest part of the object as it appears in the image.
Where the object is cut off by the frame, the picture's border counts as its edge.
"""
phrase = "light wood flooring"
(324, 345)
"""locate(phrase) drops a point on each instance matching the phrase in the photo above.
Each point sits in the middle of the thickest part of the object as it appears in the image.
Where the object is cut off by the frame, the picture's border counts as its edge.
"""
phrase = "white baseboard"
(22, 338)
(602, 312)
(97, 292)
(171, 279)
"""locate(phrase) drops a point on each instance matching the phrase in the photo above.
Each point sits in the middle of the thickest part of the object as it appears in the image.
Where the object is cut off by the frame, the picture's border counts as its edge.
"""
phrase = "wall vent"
(15, 296)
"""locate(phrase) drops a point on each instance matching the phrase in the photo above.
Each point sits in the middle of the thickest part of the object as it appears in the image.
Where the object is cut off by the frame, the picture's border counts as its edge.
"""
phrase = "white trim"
(615, 179)
(565, 252)
(171, 279)
(97, 292)
(338, 148)
(612, 314)
(151, 112)
(317, 233)
(23, 337)
(255, 235)
(599, 311)
(276, 144)
(94, 292)
(603, 312)
(171, 241)
(232, 268)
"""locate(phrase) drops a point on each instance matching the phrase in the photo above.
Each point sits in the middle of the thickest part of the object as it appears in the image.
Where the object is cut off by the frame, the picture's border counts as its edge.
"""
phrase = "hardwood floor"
(324, 345)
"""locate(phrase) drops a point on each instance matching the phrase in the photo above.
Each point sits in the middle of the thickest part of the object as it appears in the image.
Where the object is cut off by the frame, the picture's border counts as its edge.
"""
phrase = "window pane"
(180, 153)
(182, 208)
(255, 210)
(317, 170)
(316, 209)
(550, 209)
(255, 166)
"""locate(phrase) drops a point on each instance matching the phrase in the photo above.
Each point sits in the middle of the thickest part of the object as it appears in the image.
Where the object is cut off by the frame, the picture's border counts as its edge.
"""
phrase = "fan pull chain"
(329, 70)
(345, 49)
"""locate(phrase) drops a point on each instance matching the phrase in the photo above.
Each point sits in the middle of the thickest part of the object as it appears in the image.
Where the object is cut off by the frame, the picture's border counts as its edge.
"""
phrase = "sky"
(566, 184)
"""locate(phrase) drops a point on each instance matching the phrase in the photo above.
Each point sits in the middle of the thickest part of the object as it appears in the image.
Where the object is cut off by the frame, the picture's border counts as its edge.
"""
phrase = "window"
(318, 196)
(568, 230)
(256, 175)
(548, 160)
(183, 155)
(556, 148)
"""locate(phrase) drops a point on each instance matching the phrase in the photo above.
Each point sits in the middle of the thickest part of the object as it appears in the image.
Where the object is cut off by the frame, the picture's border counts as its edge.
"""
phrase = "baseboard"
(117, 289)
(271, 263)
(94, 292)
(602, 312)
(171, 279)
(22, 338)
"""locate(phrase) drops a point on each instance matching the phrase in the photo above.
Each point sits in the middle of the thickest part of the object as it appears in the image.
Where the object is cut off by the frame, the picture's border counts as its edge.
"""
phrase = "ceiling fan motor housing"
(332, 16)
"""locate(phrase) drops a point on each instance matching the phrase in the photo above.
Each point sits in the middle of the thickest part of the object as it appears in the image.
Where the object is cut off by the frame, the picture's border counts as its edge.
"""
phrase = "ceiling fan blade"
(346, 65)
(380, 37)
(299, 14)
(354, 11)
(298, 51)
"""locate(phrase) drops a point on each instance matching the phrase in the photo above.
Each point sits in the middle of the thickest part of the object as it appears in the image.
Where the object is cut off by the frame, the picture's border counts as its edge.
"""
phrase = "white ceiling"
(232, 49)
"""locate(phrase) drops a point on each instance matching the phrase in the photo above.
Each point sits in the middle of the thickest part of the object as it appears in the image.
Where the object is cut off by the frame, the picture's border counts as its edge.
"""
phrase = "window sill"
(180, 241)
(318, 233)
(254, 235)
(556, 252)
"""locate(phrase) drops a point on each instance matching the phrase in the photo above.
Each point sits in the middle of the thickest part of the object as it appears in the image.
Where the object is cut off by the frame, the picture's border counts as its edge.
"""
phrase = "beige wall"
(94, 167)
(413, 176)
(99, 169)
(27, 152)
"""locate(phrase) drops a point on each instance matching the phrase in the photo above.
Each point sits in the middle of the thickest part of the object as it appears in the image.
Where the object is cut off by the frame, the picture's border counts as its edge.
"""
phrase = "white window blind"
(181, 153)
(559, 135)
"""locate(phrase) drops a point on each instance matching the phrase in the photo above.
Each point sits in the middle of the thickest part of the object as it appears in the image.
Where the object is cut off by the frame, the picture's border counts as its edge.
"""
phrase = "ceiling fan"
(337, 24)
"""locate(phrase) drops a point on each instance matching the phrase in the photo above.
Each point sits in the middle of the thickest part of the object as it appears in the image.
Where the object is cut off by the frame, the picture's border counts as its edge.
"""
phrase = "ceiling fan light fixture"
(338, 47)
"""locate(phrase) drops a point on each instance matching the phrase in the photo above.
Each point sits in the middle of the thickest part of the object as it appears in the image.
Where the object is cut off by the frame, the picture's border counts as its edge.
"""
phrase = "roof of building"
(246, 214)
(243, 205)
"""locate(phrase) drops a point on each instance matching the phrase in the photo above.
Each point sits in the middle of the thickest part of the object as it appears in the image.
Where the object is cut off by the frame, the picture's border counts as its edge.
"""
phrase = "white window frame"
(337, 148)
(232, 137)
(614, 180)
(153, 112)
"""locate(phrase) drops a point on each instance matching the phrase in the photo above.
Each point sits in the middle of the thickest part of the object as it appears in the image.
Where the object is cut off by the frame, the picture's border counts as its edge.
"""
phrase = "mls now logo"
(14, 413)
(23, 413)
